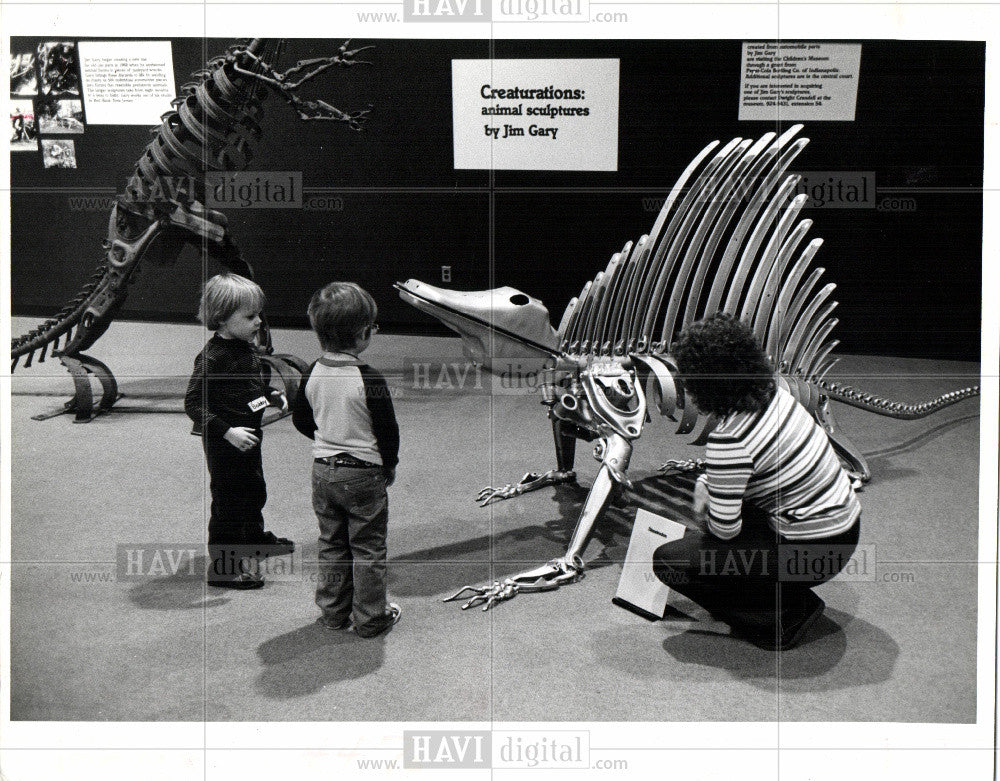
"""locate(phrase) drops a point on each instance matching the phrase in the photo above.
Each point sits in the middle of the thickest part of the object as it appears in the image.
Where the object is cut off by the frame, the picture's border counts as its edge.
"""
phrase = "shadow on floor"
(468, 562)
(839, 652)
(883, 462)
(181, 591)
(303, 661)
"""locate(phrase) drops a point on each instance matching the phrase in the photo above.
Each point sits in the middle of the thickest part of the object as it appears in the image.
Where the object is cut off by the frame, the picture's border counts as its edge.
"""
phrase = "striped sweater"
(781, 461)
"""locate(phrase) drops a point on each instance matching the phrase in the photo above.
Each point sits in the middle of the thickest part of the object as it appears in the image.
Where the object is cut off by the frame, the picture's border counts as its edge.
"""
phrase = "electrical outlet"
(446, 273)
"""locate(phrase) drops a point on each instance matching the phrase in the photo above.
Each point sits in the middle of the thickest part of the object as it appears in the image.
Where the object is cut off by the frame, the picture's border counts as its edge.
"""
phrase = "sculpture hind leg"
(857, 464)
(564, 434)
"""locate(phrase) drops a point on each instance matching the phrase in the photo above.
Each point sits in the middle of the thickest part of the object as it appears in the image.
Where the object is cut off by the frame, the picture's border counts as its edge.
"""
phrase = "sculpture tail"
(894, 409)
(48, 334)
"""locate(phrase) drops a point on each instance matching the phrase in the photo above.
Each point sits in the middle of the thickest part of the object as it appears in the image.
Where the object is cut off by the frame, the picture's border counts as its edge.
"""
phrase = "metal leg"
(569, 567)
(290, 378)
(847, 450)
(80, 367)
(565, 445)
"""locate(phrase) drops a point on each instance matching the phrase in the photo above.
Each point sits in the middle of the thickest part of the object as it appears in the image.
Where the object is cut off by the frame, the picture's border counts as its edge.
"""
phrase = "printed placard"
(535, 115)
(126, 82)
(799, 81)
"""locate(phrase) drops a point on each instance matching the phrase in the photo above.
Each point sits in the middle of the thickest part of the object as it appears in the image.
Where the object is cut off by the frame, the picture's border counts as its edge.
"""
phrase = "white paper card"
(126, 82)
(638, 584)
(799, 81)
(535, 115)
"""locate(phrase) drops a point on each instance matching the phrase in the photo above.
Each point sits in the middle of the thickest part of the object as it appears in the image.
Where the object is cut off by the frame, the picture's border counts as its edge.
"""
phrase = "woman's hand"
(699, 502)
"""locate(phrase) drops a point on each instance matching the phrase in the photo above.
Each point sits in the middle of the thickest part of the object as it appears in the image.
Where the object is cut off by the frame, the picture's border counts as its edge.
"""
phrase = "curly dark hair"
(723, 367)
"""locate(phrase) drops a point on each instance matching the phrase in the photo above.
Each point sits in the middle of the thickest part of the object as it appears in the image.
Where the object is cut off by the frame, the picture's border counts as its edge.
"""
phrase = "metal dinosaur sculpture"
(210, 129)
(725, 240)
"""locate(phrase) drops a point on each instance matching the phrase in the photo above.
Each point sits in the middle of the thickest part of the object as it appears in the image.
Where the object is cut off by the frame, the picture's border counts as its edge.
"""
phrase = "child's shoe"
(243, 582)
(326, 623)
(272, 545)
(393, 613)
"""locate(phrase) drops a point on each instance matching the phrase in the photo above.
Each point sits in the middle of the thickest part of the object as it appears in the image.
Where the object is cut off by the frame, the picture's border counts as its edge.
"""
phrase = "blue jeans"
(352, 507)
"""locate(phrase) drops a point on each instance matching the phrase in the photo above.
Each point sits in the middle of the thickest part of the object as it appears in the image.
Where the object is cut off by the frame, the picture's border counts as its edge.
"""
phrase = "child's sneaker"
(393, 613)
(325, 622)
(242, 582)
(272, 545)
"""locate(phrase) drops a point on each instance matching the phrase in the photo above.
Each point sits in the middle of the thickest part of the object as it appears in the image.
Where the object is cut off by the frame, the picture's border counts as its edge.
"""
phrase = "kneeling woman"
(779, 513)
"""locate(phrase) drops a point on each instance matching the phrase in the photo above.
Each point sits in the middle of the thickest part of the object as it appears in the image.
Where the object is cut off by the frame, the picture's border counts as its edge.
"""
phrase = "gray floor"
(899, 648)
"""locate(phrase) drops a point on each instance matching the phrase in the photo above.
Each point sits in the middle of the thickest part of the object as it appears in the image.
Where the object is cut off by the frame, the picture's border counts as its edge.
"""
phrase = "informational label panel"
(639, 589)
(126, 82)
(536, 115)
(799, 81)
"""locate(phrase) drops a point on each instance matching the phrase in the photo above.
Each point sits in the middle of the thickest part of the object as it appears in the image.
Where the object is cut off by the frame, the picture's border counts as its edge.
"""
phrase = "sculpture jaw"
(502, 330)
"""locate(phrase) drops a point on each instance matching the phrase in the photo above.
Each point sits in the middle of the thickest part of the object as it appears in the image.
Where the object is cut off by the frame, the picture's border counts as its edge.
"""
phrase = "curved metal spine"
(788, 289)
(733, 198)
(719, 189)
(659, 254)
(761, 172)
(678, 229)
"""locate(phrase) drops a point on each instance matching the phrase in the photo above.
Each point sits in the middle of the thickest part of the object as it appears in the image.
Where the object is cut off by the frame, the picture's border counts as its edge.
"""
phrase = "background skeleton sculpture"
(213, 122)
(727, 238)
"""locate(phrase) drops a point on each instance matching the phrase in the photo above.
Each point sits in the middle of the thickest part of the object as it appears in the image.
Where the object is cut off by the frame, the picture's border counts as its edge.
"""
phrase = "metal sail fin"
(779, 318)
(799, 357)
(591, 339)
(814, 371)
(742, 175)
(600, 341)
(764, 222)
(759, 183)
(803, 325)
(769, 259)
(680, 226)
(761, 319)
(647, 260)
(749, 259)
(666, 252)
(593, 301)
(808, 354)
(573, 327)
(566, 317)
(715, 198)
(616, 307)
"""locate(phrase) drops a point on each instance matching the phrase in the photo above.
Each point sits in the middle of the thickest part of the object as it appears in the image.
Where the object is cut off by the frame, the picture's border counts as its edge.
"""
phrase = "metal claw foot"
(682, 465)
(531, 481)
(548, 577)
(487, 596)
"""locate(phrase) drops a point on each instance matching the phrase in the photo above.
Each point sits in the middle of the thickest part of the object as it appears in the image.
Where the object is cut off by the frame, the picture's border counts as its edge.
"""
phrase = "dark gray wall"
(909, 282)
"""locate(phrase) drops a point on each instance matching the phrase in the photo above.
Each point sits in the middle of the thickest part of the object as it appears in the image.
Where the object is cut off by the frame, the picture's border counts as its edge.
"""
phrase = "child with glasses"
(344, 406)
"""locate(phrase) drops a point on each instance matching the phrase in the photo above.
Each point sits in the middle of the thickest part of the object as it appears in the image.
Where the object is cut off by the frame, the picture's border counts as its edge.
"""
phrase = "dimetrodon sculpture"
(210, 130)
(728, 238)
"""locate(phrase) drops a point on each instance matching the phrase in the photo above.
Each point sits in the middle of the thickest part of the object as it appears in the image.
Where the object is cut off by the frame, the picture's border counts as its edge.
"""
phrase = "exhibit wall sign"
(536, 115)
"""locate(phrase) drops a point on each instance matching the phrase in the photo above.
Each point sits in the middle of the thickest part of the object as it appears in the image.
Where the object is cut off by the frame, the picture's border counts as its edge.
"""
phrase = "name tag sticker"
(257, 404)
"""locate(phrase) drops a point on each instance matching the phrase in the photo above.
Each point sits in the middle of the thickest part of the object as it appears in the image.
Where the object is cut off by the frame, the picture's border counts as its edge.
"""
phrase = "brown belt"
(343, 459)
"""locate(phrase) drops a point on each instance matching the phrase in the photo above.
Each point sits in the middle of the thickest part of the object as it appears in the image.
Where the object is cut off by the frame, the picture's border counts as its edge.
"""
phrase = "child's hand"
(242, 438)
(390, 476)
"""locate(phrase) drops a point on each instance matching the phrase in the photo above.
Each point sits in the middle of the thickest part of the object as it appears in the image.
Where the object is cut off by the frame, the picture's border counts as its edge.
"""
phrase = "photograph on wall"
(58, 153)
(23, 76)
(460, 381)
(23, 131)
(58, 68)
(59, 116)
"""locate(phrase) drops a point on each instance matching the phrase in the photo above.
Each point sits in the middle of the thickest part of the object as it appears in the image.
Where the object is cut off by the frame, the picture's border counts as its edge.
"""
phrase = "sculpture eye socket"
(519, 299)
